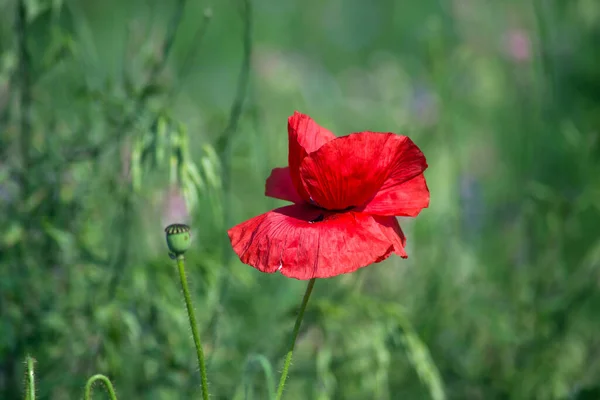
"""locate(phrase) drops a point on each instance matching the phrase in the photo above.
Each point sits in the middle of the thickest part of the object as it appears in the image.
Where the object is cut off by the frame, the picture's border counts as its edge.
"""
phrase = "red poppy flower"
(347, 192)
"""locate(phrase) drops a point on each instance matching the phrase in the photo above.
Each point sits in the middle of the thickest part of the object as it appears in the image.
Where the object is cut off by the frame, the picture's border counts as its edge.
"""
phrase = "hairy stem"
(30, 380)
(288, 357)
(104, 379)
(193, 325)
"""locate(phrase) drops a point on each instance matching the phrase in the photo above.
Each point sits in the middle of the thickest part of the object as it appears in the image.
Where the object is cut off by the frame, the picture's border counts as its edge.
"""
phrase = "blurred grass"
(502, 281)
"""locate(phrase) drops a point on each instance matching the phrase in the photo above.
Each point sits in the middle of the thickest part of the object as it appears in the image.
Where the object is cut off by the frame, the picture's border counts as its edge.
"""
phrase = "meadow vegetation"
(118, 118)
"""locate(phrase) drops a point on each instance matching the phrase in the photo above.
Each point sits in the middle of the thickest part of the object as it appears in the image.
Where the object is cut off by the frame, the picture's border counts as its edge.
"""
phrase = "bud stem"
(193, 325)
(30, 380)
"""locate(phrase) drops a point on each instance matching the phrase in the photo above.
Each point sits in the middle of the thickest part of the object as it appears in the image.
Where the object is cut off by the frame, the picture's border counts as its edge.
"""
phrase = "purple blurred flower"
(425, 105)
(518, 45)
(174, 209)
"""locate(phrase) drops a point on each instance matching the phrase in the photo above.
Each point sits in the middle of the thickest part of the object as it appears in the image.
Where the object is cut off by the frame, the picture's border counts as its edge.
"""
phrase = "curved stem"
(25, 99)
(193, 325)
(288, 357)
(104, 379)
(267, 370)
(30, 388)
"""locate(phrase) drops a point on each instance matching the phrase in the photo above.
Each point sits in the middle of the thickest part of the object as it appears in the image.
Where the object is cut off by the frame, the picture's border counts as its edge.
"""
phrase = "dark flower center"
(328, 214)
(320, 218)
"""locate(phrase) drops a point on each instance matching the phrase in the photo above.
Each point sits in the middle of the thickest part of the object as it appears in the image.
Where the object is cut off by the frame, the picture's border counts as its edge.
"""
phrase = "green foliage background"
(110, 111)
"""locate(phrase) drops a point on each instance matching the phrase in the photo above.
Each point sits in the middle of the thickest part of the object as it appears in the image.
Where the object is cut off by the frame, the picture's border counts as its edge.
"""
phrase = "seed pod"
(178, 238)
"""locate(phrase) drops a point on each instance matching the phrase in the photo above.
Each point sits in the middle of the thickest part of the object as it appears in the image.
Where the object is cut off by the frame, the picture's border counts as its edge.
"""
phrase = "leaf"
(36, 198)
(194, 175)
(161, 139)
(419, 356)
(266, 367)
(173, 169)
(190, 194)
(135, 167)
(209, 170)
(152, 89)
(12, 235)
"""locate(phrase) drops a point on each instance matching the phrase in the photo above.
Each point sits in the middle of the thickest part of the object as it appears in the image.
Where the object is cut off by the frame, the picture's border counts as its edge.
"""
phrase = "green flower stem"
(30, 388)
(104, 379)
(288, 357)
(193, 325)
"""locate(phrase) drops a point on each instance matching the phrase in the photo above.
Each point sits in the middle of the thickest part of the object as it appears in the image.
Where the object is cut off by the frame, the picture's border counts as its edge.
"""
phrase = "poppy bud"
(178, 238)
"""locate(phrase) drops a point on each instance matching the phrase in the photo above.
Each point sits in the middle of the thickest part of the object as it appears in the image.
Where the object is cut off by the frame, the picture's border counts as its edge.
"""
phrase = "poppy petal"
(391, 229)
(405, 199)
(350, 170)
(305, 136)
(279, 185)
(304, 242)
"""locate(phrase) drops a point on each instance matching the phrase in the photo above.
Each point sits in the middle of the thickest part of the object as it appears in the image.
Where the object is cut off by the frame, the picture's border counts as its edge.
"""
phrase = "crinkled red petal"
(305, 242)
(305, 136)
(366, 168)
(279, 185)
(405, 199)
